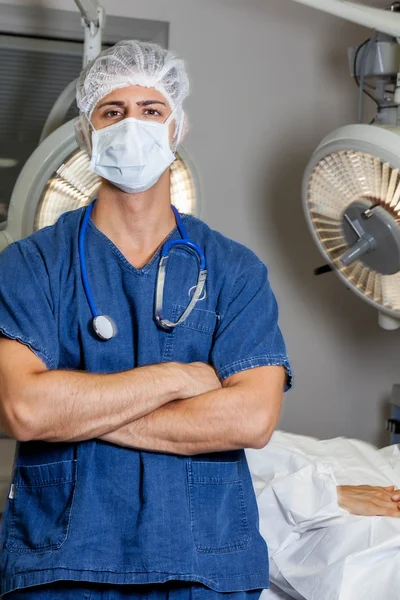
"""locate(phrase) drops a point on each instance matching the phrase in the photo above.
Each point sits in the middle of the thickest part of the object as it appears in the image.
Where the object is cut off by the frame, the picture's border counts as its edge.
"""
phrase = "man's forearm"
(221, 420)
(60, 406)
(65, 406)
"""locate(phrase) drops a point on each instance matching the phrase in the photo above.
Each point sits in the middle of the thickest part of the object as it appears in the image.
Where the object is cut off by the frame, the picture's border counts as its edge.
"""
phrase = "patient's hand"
(369, 501)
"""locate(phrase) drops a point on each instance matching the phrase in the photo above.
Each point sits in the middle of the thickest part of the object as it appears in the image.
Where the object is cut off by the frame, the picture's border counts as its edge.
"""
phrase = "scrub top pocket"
(40, 505)
(191, 341)
(217, 507)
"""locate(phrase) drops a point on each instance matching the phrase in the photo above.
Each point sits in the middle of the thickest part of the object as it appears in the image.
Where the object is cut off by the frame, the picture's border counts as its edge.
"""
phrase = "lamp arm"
(375, 18)
(93, 21)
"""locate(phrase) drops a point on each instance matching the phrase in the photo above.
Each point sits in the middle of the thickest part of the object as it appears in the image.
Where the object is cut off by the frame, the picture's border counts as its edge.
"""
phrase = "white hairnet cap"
(134, 63)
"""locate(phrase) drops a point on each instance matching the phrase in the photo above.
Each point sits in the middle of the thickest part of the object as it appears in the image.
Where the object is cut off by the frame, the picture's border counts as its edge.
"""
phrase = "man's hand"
(369, 501)
(199, 378)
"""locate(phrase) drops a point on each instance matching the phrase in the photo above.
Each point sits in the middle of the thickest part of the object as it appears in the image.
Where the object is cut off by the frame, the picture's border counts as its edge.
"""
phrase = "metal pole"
(374, 18)
(89, 10)
(93, 20)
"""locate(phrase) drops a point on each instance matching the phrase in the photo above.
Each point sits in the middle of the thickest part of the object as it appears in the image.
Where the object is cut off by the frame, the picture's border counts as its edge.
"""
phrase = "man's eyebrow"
(112, 103)
(121, 103)
(149, 102)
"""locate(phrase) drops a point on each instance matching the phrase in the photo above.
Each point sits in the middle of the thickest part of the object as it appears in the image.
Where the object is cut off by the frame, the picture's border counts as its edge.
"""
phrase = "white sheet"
(317, 550)
(275, 594)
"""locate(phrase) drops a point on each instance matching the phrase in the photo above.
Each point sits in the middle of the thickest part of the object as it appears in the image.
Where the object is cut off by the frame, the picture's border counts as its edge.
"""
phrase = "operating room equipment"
(104, 325)
(351, 189)
(351, 186)
(367, 16)
(93, 21)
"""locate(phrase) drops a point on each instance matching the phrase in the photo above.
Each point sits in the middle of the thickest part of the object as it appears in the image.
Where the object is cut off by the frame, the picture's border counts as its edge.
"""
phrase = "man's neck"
(136, 223)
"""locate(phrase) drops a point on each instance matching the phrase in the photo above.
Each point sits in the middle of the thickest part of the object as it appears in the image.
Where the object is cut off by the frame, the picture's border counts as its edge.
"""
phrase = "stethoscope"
(103, 325)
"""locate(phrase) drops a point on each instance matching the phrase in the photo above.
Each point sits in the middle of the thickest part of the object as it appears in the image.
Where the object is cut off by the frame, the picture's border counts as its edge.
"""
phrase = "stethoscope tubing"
(82, 260)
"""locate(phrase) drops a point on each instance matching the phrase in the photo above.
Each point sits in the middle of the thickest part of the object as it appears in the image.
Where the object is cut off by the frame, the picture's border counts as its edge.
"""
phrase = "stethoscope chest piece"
(104, 327)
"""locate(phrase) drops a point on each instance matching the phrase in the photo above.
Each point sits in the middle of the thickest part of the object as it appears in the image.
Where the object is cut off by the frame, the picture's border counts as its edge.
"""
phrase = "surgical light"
(351, 189)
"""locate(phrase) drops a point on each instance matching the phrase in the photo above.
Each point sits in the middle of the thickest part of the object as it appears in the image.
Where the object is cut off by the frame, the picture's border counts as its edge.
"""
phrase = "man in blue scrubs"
(130, 478)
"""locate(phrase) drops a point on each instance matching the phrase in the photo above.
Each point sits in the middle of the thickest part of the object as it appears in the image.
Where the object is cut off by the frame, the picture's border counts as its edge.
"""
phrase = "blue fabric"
(96, 512)
(77, 591)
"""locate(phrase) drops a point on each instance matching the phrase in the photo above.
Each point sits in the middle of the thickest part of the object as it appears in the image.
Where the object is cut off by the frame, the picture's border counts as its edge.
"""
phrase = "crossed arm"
(171, 408)
(243, 413)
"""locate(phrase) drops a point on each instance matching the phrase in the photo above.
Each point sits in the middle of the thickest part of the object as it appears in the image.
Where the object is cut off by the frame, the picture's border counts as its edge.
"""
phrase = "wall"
(7, 448)
(270, 79)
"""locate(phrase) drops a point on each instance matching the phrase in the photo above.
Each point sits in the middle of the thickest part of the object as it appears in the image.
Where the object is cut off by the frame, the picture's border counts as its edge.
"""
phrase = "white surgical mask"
(132, 154)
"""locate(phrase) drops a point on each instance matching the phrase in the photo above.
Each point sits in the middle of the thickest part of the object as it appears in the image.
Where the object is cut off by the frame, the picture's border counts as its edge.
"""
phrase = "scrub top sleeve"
(248, 334)
(26, 310)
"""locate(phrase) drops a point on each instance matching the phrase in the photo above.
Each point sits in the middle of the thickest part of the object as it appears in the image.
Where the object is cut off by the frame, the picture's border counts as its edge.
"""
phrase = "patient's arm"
(369, 501)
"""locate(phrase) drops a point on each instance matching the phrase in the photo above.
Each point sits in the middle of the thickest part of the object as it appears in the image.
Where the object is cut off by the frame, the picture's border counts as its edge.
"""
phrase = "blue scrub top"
(94, 511)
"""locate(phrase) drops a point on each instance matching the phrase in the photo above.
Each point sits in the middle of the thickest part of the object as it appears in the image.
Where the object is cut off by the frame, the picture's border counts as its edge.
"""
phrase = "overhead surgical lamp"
(351, 190)
(351, 187)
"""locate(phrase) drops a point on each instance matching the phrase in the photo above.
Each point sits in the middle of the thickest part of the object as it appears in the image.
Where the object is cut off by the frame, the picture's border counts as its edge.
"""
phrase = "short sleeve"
(26, 310)
(248, 334)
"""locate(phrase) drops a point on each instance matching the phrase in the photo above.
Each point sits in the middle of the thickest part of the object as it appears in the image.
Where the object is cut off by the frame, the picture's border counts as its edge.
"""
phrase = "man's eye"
(152, 112)
(112, 113)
